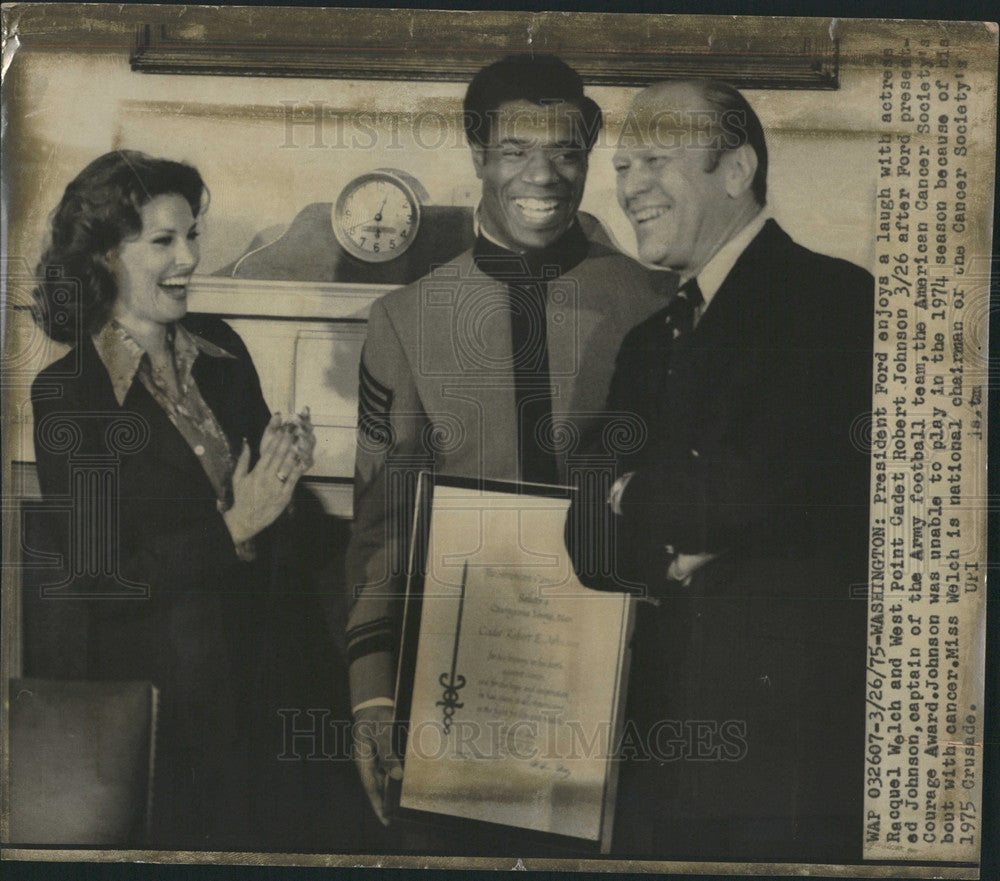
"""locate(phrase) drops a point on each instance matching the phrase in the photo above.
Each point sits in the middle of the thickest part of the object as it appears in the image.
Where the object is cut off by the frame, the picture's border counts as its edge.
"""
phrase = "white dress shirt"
(714, 273)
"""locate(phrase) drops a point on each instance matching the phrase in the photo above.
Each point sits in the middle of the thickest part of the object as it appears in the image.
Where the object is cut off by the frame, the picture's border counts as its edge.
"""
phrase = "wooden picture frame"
(449, 46)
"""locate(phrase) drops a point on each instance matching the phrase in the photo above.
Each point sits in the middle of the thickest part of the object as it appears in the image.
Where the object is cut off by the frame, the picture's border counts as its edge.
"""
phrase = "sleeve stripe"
(384, 624)
(374, 406)
(378, 642)
(372, 395)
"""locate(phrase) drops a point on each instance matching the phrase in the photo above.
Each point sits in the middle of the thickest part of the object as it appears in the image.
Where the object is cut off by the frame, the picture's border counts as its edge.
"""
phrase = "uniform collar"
(543, 265)
(480, 231)
(714, 273)
(122, 356)
(477, 229)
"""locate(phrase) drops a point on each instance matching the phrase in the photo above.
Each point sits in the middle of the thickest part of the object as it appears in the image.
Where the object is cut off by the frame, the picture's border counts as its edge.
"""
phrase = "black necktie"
(679, 315)
(526, 277)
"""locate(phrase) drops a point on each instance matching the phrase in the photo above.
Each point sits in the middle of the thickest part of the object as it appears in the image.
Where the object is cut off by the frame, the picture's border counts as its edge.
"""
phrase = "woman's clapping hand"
(261, 495)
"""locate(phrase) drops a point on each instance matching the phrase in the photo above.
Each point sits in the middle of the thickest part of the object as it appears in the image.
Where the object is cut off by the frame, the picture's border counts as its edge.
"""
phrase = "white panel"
(326, 379)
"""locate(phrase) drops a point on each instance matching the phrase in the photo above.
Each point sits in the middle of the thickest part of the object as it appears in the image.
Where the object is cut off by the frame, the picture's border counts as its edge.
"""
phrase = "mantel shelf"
(298, 300)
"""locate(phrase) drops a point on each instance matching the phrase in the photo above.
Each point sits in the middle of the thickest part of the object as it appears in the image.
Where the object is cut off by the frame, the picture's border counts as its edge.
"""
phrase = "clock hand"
(371, 226)
(359, 223)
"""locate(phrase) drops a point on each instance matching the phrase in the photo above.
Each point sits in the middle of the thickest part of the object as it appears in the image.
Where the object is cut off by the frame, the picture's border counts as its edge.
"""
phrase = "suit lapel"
(739, 294)
(166, 443)
(95, 385)
(704, 363)
(216, 380)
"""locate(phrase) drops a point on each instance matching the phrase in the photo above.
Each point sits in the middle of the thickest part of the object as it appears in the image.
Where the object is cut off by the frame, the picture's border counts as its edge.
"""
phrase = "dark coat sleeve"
(763, 485)
(780, 475)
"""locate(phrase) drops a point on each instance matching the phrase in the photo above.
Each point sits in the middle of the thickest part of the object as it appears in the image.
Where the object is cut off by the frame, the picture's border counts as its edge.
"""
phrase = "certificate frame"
(529, 841)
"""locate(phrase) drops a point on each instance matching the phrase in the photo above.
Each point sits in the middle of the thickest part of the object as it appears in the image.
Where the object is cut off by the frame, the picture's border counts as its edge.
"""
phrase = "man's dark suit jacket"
(755, 452)
(226, 642)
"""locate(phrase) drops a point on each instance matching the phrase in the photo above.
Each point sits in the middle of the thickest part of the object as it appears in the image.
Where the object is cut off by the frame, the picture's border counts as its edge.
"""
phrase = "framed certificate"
(510, 686)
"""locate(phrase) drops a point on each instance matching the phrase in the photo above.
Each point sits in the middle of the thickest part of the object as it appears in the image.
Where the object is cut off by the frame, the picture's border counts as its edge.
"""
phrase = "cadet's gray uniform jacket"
(437, 388)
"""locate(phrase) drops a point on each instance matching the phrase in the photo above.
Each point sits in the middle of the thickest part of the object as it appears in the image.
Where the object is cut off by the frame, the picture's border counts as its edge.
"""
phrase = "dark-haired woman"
(176, 553)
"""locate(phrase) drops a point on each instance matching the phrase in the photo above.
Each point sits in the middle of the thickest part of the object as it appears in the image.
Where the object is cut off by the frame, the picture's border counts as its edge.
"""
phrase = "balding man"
(745, 514)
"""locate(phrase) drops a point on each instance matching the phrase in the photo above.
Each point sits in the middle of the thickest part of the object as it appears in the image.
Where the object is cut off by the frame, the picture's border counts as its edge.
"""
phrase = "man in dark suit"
(743, 519)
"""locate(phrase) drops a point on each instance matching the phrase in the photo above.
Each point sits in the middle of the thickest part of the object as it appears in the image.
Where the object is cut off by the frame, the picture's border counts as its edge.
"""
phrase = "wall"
(269, 146)
(262, 170)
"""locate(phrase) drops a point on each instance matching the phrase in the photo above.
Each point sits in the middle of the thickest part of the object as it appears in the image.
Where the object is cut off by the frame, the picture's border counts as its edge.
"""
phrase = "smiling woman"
(153, 268)
(173, 558)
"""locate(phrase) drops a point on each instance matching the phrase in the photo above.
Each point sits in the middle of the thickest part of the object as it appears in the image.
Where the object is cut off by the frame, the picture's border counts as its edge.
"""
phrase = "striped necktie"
(679, 316)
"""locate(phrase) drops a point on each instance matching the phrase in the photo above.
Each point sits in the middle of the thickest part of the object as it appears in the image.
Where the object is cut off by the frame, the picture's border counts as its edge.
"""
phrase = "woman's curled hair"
(101, 208)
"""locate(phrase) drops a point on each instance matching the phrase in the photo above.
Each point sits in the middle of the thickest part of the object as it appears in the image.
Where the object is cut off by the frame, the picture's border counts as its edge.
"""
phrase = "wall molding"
(298, 300)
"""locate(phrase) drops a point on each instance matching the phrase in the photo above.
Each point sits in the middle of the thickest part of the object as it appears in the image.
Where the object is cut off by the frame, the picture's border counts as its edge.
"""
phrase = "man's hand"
(374, 756)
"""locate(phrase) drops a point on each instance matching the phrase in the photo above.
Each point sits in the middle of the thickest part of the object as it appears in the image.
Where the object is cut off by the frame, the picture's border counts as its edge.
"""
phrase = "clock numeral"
(387, 217)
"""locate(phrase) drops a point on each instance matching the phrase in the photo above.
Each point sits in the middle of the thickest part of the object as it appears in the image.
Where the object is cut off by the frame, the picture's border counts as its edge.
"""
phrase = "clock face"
(376, 217)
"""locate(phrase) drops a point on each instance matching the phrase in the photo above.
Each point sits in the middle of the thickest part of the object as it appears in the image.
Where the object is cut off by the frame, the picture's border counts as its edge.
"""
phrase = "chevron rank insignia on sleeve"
(374, 406)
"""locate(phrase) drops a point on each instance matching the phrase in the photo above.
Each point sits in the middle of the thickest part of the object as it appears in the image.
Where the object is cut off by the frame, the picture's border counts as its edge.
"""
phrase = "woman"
(179, 551)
